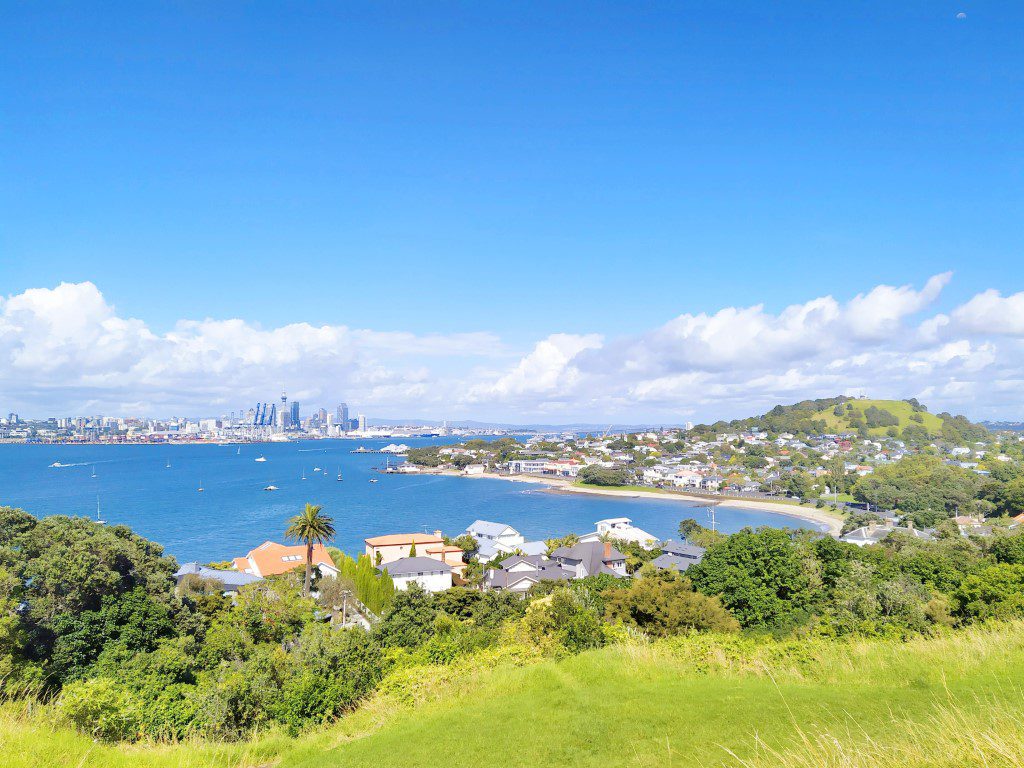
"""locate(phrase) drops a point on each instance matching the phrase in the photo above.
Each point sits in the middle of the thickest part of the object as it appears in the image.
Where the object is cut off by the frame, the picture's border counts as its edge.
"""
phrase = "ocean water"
(233, 514)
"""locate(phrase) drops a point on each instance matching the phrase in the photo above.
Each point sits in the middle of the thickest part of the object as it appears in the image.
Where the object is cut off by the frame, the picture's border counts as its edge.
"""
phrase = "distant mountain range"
(470, 424)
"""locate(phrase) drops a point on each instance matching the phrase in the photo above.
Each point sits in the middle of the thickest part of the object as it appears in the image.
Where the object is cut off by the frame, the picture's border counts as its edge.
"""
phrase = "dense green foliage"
(595, 474)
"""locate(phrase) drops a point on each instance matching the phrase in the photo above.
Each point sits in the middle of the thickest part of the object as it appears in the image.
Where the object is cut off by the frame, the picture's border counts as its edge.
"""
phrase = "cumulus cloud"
(67, 350)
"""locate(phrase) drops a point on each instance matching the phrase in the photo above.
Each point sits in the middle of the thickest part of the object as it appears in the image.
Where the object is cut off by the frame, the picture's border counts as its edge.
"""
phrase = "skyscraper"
(362, 422)
(295, 415)
(343, 414)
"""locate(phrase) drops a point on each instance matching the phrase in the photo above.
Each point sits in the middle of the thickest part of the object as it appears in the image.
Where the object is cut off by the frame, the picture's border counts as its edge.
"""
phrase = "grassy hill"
(854, 411)
(952, 701)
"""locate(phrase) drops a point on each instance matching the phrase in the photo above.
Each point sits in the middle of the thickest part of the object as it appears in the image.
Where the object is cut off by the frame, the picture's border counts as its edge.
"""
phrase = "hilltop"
(906, 419)
(707, 701)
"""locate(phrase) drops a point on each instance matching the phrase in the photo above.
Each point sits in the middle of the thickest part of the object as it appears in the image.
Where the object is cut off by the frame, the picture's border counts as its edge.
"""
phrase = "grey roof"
(669, 561)
(227, 578)
(590, 554)
(487, 528)
(543, 570)
(682, 549)
(533, 547)
(412, 566)
(874, 534)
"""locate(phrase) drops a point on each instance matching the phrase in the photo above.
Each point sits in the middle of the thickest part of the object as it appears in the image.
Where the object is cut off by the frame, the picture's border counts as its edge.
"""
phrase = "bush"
(101, 708)
(663, 603)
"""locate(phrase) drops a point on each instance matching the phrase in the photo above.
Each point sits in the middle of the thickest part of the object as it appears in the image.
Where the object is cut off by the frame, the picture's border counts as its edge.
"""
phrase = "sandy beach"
(560, 485)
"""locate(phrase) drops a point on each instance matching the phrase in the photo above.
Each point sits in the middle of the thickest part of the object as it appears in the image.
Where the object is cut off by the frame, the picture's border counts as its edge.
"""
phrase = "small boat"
(56, 464)
(374, 480)
(168, 464)
(316, 469)
(339, 475)
(200, 488)
(99, 520)
(303, 474)
(261, 458)
(270, 488)
(239, 451)
(94, 470)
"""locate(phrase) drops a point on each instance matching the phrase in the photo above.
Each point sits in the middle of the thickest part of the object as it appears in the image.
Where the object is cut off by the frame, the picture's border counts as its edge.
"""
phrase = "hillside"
(950, 701)
(894, 413)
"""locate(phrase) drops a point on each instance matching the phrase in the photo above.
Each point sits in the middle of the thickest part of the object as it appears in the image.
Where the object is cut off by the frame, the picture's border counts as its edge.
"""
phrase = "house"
(273, 559)
(496, 539)
(518, 573)
(621, 528)
(526, 466)
(448, 554)
(474, 469)
(873, 533)
(430, 574)
(395, 546)
(232, 580)
(591, 558)
(678, 555)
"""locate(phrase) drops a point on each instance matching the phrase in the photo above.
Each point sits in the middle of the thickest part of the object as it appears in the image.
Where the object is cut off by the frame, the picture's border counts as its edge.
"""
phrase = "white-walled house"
(621, 528)
(432, 575)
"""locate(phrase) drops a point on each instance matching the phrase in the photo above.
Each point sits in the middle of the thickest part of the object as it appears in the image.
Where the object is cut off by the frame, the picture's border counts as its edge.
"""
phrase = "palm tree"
(311, 527)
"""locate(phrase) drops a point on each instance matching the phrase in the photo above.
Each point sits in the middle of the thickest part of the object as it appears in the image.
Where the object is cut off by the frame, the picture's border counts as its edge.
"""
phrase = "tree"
(311, 527)
(595, 474)
(663, 603)
(759, 576)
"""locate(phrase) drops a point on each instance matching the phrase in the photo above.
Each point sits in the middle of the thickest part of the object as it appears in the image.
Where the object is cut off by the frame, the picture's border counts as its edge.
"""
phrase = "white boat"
(239, 451)
(374, 480)
(56, 464)
(94, 471)
(168, 464)
(339, 475)
(316, 469)
(270, 488)
(99, 520)
(261, 458)
(303, 474)
(200, 488)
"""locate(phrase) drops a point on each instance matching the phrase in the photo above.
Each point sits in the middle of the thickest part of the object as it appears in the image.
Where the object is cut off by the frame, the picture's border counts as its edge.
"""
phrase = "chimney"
(607, 550)
(872, 526)
(910, 525)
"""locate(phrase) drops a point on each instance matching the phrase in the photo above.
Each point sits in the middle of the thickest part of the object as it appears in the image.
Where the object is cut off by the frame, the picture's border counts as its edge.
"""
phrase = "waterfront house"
(395, 546)
(430, 574)
(678, 555)
(273, 559)
(231, 580)
(621, 528)
(873, 533)
(591, 558)
(518, 573)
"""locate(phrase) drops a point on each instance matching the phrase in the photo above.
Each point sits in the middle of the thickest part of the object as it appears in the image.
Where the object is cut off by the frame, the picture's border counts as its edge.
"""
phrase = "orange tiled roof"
(271, 558)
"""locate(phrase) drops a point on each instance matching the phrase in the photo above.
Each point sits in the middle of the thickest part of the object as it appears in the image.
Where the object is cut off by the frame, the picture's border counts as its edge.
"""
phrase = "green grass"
(898, 408)
(705, 702)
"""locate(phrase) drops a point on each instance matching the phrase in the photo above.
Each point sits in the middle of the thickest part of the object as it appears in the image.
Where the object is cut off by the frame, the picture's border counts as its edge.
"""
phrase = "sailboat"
(94, 470)
(261, 458)
(99, 520)
(239, 451)
(168, 464)
(339, 474)
(200, 488)
(303, 473)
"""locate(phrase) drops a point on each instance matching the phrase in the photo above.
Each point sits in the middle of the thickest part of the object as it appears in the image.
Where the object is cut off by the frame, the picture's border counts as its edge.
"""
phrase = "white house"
(527, 466)
(621, 528)
(431, 574)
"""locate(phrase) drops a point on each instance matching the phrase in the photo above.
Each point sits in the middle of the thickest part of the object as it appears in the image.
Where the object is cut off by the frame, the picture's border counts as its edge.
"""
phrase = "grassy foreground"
(952, 701)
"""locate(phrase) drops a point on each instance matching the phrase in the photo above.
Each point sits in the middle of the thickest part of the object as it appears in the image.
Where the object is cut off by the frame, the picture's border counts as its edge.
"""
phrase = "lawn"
(898, 408)
(727, 703)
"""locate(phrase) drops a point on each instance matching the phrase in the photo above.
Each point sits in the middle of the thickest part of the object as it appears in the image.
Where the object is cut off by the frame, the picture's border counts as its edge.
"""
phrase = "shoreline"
(832, 523)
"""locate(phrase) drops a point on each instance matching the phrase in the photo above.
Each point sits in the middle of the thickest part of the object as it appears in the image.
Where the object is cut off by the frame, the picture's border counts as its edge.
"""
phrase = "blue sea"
(135, 487)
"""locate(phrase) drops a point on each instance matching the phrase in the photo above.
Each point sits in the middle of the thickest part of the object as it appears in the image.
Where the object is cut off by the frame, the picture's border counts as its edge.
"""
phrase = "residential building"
(678, 555)
(873, 533)
(273, 559)
(591, 558)
(387, 549)
(232, 580)
(621, 528)
(430, 574)
(518, 573)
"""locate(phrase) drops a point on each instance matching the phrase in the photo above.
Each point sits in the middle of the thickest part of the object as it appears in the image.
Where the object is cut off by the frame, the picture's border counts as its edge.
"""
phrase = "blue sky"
(513, 170)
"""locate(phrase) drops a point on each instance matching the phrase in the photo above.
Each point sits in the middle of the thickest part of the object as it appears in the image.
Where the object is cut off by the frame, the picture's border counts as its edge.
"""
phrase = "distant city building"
(295, 421)
(361, 422)
(343, 416)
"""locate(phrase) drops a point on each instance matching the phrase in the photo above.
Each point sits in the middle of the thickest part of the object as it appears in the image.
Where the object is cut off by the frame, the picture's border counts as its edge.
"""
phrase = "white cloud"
(66, 350)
